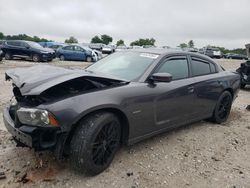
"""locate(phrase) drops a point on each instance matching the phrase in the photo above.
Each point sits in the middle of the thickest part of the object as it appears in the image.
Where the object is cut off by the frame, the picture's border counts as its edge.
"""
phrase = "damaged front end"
(39, 128)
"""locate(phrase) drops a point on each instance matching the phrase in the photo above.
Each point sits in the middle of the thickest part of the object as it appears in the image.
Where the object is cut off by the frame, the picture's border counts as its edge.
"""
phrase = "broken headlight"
(36, 117)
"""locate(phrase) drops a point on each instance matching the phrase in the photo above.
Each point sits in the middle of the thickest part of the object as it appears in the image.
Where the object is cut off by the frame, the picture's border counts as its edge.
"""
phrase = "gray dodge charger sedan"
(87, 114)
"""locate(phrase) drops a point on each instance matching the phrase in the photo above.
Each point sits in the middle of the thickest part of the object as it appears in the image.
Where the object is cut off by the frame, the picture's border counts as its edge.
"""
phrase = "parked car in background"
(121, 48)
(1, 55)
(148, 46)
(26, 50)
(52, 45)
(96, 52)
(122, 99)
(76, 52)
(235, 56)
(137, 47)
(1, 43)
(108, 49)
(244, 71)
(96, 46)
(211, 52)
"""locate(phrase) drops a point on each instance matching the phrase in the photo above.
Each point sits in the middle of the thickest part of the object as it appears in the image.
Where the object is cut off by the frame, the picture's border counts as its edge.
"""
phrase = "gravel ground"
(199, 155)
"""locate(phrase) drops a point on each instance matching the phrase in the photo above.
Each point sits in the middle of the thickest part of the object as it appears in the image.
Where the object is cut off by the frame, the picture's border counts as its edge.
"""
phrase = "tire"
(62, 58)
(95, 142)
(222, 108)
(36, 58)
(242, 86)
(89, 59)
(8, 56)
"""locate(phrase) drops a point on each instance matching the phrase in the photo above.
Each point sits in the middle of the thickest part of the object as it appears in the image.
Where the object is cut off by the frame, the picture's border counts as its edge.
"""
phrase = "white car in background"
(108, 49)
(121, 48)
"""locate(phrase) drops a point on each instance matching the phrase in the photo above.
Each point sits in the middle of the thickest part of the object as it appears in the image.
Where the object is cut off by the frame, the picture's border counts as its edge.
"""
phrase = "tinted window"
(178, 68)
(213, 69)
(14, 43)
(200, 67)
(69, 48)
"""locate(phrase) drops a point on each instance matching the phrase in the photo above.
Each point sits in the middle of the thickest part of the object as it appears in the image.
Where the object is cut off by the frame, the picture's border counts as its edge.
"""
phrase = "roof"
(167, 51)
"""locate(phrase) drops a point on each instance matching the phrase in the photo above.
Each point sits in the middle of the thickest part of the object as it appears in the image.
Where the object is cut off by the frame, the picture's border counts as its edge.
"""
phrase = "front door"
(173, 104)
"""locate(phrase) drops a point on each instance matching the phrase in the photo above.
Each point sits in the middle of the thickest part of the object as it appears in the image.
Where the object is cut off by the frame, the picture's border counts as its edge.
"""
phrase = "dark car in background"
(1, 43)
(26, 50)
(76, 52)
(244, 71)
(1, 55)
(122, 99)
(235, 56)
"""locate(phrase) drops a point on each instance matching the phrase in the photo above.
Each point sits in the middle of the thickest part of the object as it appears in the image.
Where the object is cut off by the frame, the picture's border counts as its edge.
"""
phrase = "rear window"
(199, 67)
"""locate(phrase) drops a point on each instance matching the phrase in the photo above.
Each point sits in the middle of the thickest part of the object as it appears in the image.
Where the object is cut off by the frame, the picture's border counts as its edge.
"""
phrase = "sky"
(171, 22)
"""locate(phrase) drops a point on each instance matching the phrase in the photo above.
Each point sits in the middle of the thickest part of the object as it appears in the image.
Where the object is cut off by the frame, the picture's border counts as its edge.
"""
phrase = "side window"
(213, 69)
(14, 43)
(199, 67)
(178, 68)
(23, 44)
(77, 48)
(69, 48)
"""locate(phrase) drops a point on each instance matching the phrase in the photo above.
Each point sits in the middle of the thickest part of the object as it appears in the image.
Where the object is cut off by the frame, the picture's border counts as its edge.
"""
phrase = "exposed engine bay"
(66, 89)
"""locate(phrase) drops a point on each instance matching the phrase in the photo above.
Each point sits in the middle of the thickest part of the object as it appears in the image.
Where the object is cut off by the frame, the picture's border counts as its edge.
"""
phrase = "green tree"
(191, 44)
(71, 40)
(143, 42)
(106, 39)
(183, 45)
(120, 42)
(1, 36)
(96, 39)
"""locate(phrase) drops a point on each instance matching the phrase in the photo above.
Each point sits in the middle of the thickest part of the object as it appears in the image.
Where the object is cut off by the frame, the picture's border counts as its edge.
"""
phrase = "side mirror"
(27, 47)
(161, 77)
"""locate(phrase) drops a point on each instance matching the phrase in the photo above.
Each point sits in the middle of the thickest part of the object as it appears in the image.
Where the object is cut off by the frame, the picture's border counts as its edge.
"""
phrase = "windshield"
(125, 65)
(34, 44)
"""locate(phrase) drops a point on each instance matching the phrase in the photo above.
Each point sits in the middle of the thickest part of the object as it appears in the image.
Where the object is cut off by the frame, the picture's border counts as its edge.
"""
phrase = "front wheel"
(36, 58)
(222, 108)
(89, 59)
(95, 142)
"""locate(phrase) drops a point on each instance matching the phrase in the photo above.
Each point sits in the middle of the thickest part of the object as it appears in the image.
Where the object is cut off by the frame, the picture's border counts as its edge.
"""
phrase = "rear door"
(173, 104)
(207, 87)
(14, 47)
(68, 52)
(80, 53)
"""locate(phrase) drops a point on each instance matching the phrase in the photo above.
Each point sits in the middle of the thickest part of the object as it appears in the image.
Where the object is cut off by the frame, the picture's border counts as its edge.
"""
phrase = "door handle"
(191, 89)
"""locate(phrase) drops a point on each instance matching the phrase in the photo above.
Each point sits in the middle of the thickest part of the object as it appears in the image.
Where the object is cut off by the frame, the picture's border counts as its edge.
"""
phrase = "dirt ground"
(199, 155)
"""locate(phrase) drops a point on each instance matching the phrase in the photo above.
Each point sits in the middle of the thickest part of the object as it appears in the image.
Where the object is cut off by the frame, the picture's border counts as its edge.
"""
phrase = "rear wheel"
(223, 108)
(36, 58)
(62, 58)
(8, 56)
(95, 142)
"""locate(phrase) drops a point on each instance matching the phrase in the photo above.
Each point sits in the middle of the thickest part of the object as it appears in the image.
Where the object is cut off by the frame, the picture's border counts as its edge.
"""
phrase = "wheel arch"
(230, 90)
(121, 116)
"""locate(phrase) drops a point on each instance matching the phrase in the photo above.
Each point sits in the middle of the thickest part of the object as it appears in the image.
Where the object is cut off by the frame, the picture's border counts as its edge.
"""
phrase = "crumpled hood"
(34, 80)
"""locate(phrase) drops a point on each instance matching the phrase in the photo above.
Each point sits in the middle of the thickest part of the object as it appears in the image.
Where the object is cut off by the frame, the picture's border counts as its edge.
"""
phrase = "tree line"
(106, 39)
